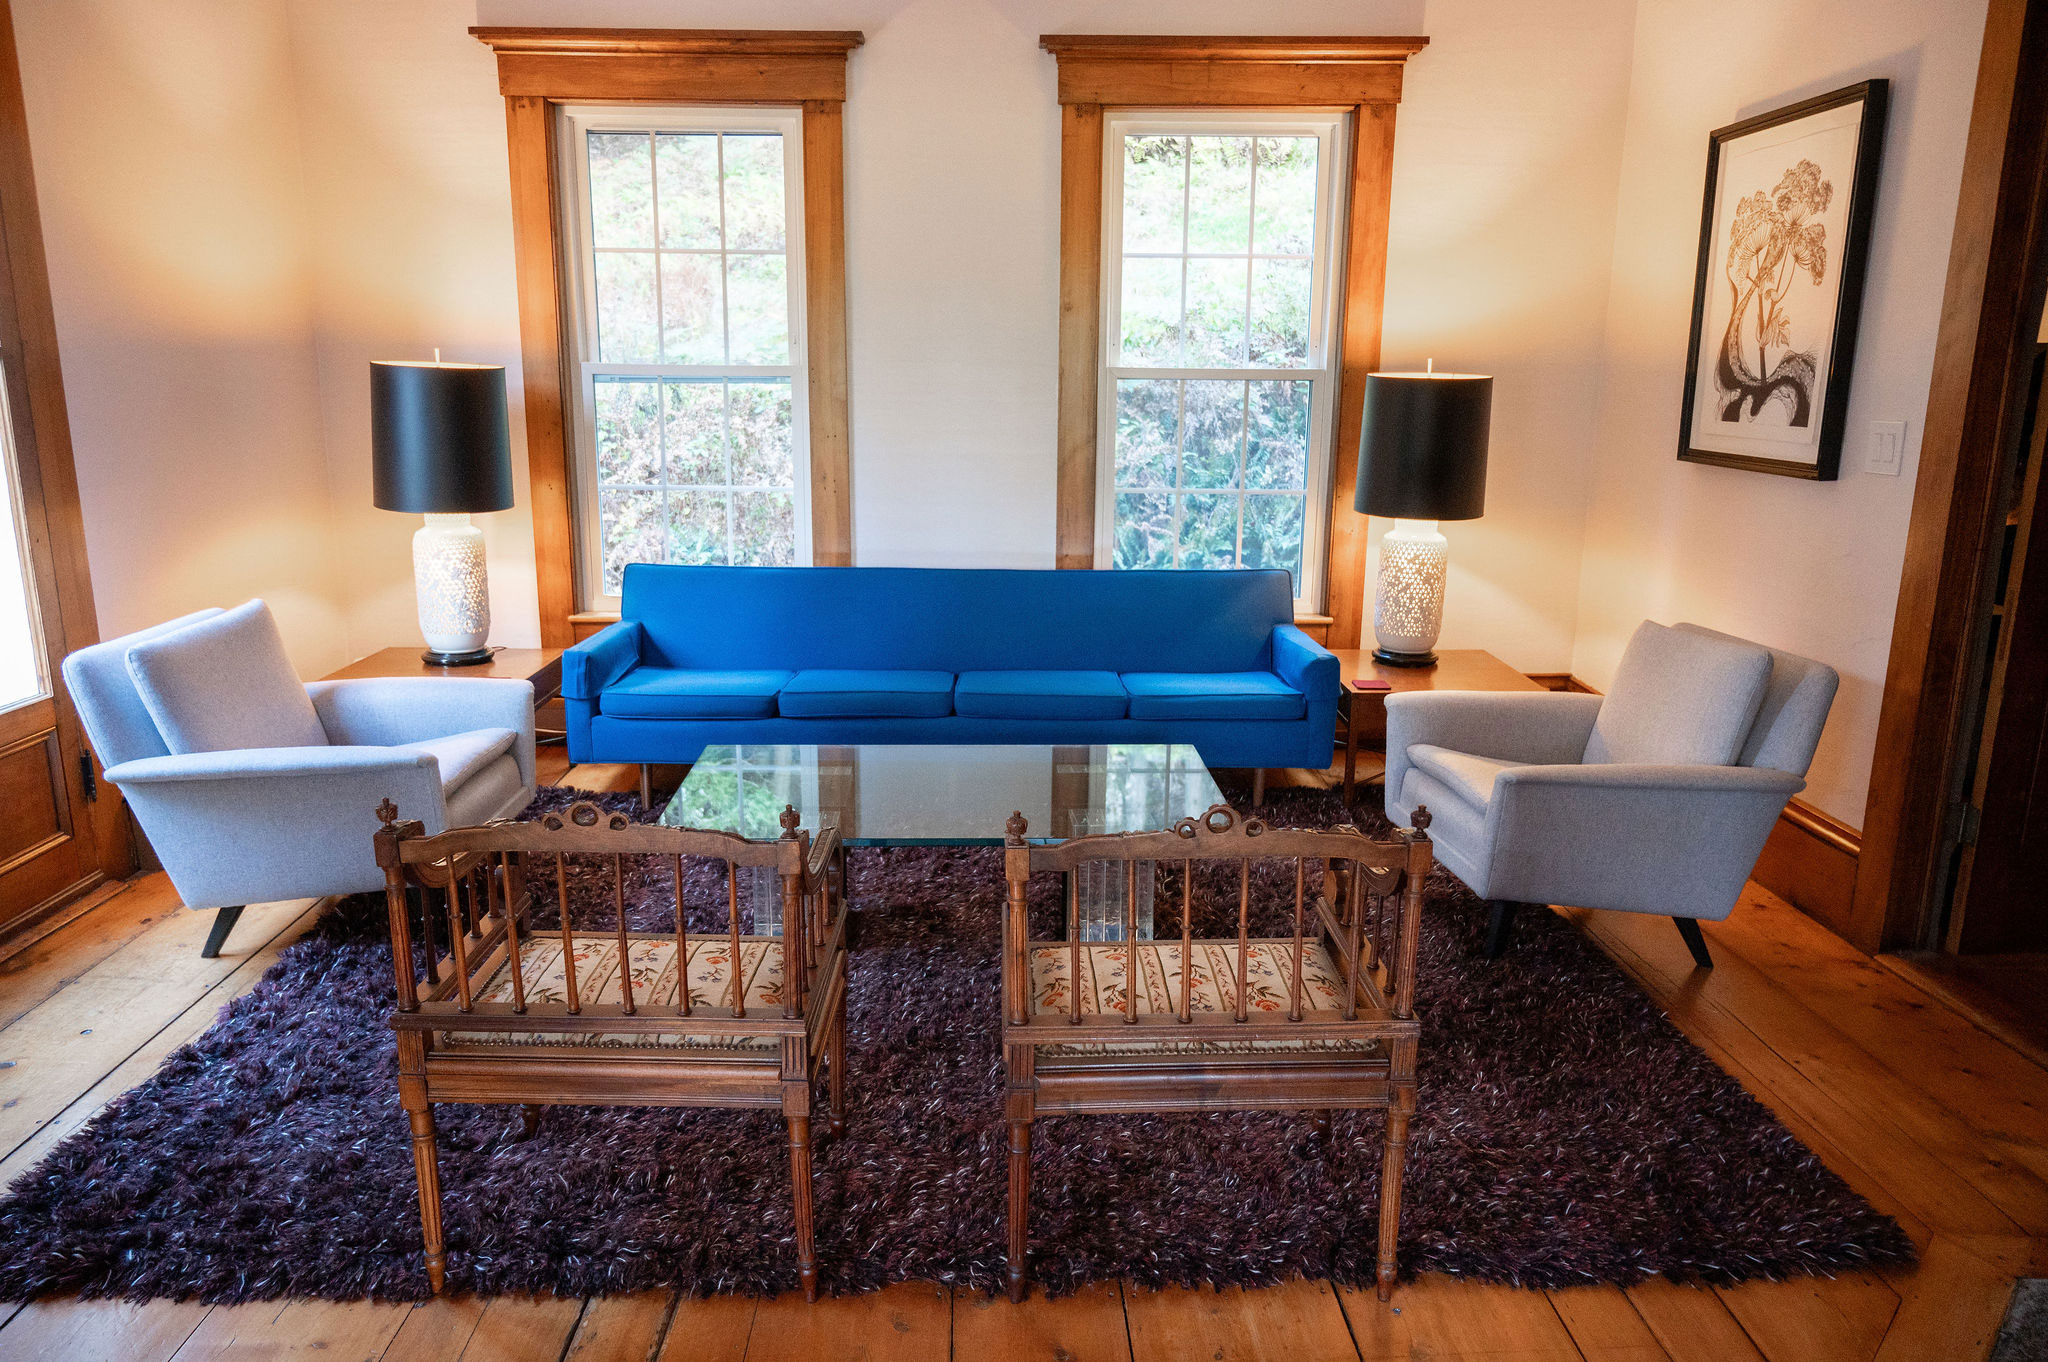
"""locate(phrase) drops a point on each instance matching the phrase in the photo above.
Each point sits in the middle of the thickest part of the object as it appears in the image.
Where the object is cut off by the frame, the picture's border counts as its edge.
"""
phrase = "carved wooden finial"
(387, 812)
(789, 819)
(1420, 820)
(1013, 829)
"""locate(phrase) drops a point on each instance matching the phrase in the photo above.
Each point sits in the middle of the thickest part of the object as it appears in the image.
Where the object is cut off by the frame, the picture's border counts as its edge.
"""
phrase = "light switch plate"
(1887, 448)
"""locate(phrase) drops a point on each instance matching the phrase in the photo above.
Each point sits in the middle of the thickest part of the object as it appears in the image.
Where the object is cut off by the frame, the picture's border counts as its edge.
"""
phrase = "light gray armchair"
(253, 787)
(1656, 798)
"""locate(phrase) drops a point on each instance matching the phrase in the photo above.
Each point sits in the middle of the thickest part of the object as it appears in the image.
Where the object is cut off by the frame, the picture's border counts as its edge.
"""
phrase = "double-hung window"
(691, 427)
(1219, 363)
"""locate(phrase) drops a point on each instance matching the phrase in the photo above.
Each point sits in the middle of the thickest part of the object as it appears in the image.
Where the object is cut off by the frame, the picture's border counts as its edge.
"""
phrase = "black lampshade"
(438, 437)
(1422, 446)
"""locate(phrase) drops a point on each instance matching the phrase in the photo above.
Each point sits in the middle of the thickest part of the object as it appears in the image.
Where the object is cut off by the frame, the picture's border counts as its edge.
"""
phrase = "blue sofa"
(713, 655)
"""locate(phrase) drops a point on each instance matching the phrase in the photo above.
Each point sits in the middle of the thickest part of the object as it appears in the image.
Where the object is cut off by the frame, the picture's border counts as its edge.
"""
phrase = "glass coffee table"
(912, 796)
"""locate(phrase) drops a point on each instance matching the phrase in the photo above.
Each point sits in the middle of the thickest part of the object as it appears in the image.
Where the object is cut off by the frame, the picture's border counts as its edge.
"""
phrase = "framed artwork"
(1784, 240)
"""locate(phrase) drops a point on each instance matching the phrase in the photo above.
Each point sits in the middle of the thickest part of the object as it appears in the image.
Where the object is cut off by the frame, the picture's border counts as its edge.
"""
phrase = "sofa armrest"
(1530, 726)
(601, 659)
(1303, 663)
(1658, 839)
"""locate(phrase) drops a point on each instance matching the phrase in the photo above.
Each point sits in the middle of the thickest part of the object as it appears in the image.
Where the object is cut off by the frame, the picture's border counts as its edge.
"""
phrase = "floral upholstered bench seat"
(656, 982)
(1269, 985)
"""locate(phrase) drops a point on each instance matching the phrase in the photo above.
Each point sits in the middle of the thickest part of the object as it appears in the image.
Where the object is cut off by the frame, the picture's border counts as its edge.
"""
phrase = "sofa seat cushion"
(1212, 695)
(1040, 695)
(1470, 778)
(834, 694)
(656, 983)
(678, 693)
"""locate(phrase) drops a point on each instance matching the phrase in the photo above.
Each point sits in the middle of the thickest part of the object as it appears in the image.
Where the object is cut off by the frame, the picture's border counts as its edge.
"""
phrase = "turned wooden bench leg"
(1020, 1205)
(1391, 1162)
(800, 1188)
(835, 1060)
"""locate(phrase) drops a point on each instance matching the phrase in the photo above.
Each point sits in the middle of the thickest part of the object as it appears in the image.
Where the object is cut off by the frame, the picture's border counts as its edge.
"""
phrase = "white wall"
(1808, 566)
(167, 171)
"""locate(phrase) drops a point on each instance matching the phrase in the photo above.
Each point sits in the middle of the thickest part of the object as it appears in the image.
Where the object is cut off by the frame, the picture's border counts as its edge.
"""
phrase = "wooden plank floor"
(1924, 1113)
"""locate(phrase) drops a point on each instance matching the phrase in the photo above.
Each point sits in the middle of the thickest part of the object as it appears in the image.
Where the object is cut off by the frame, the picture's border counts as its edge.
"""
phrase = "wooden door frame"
(52, 517)
(539, 68)
(1099, 72)
(1998, 267)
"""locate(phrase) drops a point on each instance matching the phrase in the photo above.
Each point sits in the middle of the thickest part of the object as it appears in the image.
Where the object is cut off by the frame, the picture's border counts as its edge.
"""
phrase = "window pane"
(621, 189)
(1151, 312)
(1278, 452)
(757, 309)
(1216, 300)
(692, 327)
(1220, 194)
(761, 418)
(764, 529)
(1147, 418)
(696, 527)
(1144, 530)
(630, 526)
(1286, 219)
(695, 431)
(1279, 333)
(1272, 534)
(1208, 530)
(753, 192)
(628, 431)
(1212, 433)
(1154, 182)
(686, 175)
(626, 331)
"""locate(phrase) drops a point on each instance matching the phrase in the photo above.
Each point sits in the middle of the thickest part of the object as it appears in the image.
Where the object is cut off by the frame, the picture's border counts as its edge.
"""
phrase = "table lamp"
(1421, 459)
(440, 447)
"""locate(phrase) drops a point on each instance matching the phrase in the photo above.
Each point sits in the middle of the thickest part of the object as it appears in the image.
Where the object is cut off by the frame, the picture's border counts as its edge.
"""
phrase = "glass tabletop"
(944, 796)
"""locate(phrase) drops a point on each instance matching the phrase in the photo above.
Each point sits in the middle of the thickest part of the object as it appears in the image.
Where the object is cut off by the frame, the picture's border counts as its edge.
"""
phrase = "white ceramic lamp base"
(455, 600)
(1408, 605)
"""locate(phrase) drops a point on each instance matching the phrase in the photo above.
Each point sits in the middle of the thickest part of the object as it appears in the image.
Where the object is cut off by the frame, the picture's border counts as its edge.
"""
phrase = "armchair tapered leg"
(1689, 928)
(1498, 929)
(223, 923)
(800, 1187)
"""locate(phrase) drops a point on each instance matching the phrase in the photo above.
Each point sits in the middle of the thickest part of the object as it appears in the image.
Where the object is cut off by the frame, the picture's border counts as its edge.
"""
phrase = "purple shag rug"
(1567, 1134)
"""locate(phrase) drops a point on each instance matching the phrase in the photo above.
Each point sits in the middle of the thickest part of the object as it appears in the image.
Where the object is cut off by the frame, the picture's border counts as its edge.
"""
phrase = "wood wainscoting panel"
(32, 813)
(1810, 861)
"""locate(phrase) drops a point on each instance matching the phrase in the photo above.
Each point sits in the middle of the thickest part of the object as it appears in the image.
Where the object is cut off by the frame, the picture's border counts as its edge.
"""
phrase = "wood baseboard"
(1810, 861)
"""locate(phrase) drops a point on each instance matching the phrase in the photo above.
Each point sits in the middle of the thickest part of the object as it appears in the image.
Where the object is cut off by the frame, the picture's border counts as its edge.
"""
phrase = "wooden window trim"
(1104, 71)
(539, 68)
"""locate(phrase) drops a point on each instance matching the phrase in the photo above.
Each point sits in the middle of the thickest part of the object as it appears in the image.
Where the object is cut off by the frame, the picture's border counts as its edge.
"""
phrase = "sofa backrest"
(957, 619)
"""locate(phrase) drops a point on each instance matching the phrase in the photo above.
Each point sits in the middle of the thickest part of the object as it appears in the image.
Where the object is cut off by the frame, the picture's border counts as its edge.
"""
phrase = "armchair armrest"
(1304, 664)
(1660, 839)
(1531, 726)
(601, 659)
(387, 711)
(264, 824)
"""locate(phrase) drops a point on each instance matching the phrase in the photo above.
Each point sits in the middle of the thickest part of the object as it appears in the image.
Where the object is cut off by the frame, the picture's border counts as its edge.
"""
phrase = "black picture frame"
(1780, 386)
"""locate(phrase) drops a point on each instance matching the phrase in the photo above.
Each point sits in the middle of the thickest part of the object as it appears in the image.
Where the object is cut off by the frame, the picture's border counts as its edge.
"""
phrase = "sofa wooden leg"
(1498, 929)
(1258, 787)
(1689, 928)
(223, 923)
(646, 786)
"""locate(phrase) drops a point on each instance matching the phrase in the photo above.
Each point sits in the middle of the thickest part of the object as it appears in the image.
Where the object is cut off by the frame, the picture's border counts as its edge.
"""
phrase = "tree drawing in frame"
(1783, 244)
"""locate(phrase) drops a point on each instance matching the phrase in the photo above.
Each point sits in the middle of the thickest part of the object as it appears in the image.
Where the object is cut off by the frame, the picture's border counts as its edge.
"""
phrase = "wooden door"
(2001, 897)
(54, 841)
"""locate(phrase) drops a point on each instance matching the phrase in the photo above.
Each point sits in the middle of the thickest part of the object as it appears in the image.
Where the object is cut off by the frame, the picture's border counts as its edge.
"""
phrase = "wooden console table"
(1365, 711)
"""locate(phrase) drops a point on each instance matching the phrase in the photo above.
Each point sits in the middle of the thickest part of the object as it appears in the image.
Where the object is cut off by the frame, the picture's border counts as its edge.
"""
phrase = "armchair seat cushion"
(1212, 695)
(462, 756)
(656, 982)
(1470, 778)
(675, 693)
(867, 694)
(1041, 695)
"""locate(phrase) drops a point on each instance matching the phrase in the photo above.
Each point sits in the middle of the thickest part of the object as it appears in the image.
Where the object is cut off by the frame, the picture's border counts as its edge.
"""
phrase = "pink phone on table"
(1368, 683)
